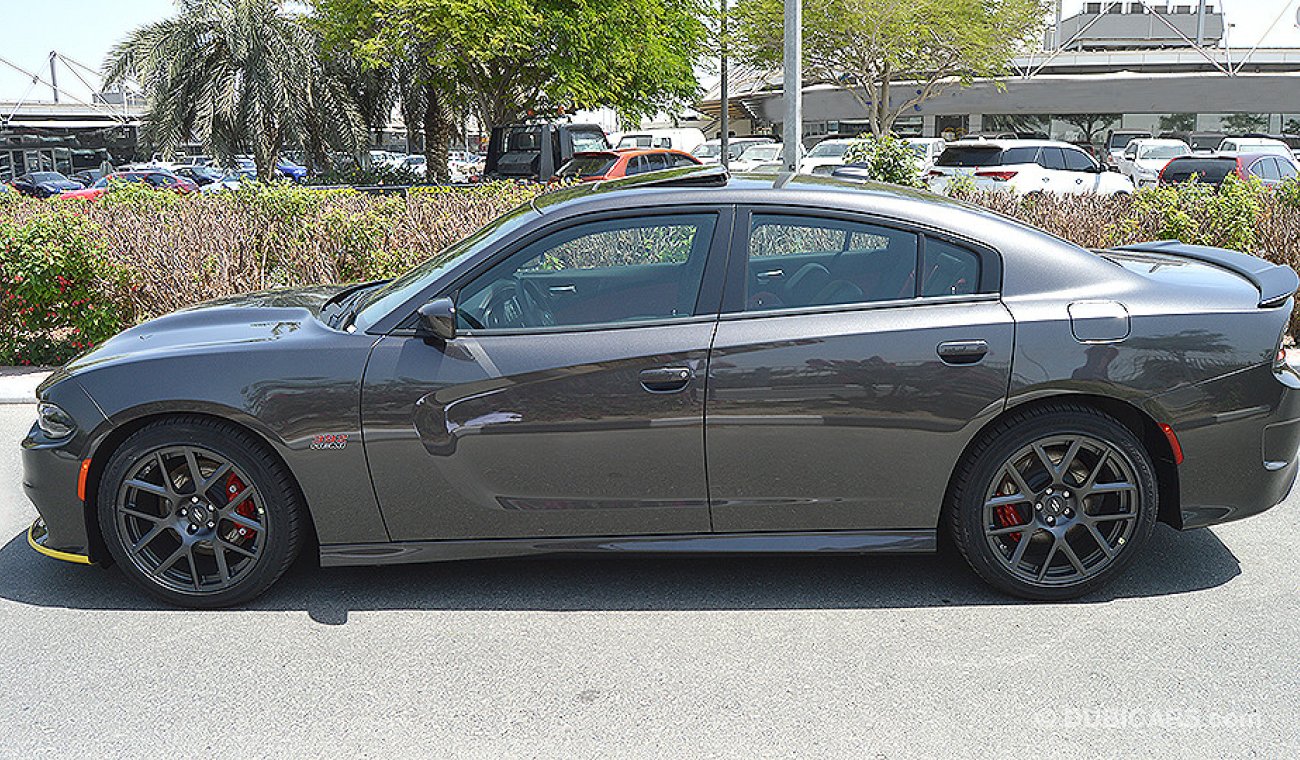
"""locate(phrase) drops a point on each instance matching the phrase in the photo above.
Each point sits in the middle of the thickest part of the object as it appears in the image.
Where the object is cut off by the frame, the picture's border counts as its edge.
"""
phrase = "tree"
(514, 58)
(868, 46)
(1092, 124)
(1241, 123)
(1178, 122)
(241, 76)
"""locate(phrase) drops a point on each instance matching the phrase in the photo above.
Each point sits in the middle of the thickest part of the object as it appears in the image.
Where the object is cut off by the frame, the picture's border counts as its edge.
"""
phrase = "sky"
(84, 30)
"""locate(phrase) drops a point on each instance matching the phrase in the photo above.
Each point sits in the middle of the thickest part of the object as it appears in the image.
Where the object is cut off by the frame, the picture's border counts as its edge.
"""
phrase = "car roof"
(1156, 141)
(1004, 144)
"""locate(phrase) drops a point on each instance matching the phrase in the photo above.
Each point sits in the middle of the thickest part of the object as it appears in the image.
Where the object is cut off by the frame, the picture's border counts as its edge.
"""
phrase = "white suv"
(1143, 159)
(1022, 167)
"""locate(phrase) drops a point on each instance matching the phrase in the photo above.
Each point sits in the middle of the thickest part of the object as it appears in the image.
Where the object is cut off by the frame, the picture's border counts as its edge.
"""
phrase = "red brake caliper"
(248, 509)
(1007, 517)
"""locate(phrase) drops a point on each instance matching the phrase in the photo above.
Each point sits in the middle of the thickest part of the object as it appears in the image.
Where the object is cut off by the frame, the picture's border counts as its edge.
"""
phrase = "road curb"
(18, 384)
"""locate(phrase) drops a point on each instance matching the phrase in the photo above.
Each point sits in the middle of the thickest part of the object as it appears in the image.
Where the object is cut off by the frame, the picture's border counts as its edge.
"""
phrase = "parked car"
(710, 152)
(156, 178)
(1268, 168)
(1022, 167)
(591, 166)
(1246, 145)
(677, 139)
(291, 171)
(1117, 140)
(826, 156)
(927, 150)
(1143, 159)
(1199, 142)
(200, 174)
(537, 151)
(44, 184)
(716, 387)
(86, 177)
(231, 180)
(761, 157)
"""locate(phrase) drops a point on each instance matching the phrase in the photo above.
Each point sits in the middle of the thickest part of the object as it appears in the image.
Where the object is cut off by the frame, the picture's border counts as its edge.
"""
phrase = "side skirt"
(828, 542)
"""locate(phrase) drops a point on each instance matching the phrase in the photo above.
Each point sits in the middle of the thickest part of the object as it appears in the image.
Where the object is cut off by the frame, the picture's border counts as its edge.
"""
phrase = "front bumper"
(51, 471)
(38, 535)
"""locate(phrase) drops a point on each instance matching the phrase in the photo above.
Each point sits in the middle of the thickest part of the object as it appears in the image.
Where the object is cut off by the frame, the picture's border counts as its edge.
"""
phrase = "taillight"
(1000, 176)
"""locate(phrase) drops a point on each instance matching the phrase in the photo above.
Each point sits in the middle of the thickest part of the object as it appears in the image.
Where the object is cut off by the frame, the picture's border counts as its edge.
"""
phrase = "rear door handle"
(563, 289)
(962, 351)
(666, 379)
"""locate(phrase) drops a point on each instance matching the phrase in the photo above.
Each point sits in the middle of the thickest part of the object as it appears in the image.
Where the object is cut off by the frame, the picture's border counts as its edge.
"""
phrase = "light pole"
(726, 102)
(793, 86)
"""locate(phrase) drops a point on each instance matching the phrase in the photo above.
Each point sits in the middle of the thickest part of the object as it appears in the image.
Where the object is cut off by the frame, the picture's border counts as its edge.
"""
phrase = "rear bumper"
(1239, 435)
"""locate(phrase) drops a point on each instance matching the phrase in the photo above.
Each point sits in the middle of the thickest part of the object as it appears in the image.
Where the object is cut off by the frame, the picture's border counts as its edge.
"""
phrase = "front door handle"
(771, 274)
(666, 379)
(962, 351)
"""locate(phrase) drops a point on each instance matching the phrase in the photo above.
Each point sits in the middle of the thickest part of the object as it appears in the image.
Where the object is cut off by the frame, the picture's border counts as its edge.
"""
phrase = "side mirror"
(437, 319)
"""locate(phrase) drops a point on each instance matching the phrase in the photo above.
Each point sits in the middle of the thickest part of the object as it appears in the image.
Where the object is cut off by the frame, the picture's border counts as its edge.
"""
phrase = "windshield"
(1164, 151)
(586, 139)
(828, 149)
(587, 166)
(379, 303)
(635, 141)
(761, 153)
(708, 150)
(47, 177)
(1122, 139)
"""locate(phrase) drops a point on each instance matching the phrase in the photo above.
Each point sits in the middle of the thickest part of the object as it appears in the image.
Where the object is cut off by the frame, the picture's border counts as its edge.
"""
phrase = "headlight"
(54, 422)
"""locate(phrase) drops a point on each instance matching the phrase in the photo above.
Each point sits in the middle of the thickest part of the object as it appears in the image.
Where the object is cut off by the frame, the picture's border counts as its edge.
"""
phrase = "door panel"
(538, 435)
(847, 420)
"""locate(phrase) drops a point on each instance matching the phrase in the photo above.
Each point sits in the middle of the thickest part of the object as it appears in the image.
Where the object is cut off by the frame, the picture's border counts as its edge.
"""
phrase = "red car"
(590, 166)
(159, 178)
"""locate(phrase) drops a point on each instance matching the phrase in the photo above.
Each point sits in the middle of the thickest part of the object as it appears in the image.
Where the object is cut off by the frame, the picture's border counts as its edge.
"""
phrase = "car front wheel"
(1053, 502)
(199, 512)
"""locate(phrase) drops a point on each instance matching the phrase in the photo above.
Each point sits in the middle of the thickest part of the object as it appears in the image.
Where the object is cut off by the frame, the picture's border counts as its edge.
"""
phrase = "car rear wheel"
(199, 512)
(1054, 502)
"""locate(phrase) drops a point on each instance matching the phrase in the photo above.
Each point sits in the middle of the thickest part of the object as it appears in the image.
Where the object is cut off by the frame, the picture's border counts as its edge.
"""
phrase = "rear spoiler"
(1275, 282)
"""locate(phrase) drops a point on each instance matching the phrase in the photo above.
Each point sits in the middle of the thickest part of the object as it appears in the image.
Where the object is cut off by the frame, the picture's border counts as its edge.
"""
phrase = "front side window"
(797, 262)
(1052, 158)
(598, 273)
(1078, 161)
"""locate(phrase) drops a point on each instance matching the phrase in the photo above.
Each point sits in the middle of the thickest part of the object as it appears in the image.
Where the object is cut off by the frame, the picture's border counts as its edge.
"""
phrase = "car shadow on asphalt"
(1172, 563)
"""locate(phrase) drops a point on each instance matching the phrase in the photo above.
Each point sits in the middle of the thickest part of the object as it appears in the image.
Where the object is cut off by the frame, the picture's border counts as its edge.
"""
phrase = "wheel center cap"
(1054, 505)
(199, 514)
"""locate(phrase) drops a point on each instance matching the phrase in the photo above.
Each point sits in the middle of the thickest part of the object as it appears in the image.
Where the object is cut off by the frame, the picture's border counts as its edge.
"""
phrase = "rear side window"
(1078, 161)
(1052, 158)
(949, 270)
(806, 261)
(1286, 170)
(638, 165)
(1021, 155)
(1265, 168)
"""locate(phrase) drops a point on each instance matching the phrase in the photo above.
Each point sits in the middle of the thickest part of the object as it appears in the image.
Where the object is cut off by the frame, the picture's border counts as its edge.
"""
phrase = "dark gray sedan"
(686, 362)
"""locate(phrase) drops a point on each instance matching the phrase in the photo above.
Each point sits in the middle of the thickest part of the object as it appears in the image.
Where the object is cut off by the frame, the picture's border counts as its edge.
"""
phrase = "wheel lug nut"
(194, 499)
(191, 529)
(184, 512)
(1051, 520)
(1039, 506)
(1049, 492)
(1066, 494)
(211, 524)
(1069, 513)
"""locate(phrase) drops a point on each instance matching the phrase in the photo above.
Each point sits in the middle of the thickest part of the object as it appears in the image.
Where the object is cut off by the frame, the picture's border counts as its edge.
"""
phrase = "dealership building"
(1157, 66)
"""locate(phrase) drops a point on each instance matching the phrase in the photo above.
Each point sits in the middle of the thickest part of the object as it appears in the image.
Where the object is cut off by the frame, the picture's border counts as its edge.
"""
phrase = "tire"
(215, 540)
(1083, 520)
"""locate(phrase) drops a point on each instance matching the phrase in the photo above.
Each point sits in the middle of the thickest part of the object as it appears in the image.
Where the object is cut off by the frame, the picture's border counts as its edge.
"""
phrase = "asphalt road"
(1196, 653)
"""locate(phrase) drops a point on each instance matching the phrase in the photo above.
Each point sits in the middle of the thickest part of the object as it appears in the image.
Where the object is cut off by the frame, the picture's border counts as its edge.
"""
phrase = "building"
(1155, 66)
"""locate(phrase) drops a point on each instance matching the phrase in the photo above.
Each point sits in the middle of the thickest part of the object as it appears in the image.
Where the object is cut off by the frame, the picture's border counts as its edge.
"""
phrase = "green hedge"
(73, 273)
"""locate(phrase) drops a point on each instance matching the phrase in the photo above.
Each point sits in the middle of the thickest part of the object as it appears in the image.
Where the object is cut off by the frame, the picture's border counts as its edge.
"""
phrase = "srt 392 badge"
(330, 441)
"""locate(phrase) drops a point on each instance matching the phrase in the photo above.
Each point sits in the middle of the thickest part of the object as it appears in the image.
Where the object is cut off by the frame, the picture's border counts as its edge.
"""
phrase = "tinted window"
(1078, 161)
(637, 165)
(682, 161)
(949, 270)
(1051, 158)
(800, 262)
(1023, 155)
(970, 155)
(621, 270)
(1209, 170)
(658, 161)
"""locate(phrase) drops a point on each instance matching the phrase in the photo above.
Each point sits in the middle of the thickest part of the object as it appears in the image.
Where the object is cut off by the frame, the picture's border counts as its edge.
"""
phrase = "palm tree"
(241, 76)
